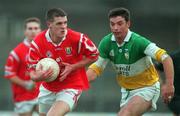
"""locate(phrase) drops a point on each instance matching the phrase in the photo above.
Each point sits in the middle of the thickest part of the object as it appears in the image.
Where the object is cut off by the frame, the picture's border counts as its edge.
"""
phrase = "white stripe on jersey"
(35, 45)
(151, 50)
(80, 42)
(8, 73)
(90, 48)
(101, 62)
(8, 68)
(29, 58)
(15, 55)
(26, 42)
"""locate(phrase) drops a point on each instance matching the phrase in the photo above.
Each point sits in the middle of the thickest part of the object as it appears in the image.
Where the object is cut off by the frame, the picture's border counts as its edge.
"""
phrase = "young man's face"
(119, 26)
(31, 30)
(58, 26)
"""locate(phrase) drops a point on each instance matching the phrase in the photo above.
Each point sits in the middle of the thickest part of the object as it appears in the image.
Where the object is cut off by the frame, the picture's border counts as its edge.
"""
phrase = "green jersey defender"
(131, 60)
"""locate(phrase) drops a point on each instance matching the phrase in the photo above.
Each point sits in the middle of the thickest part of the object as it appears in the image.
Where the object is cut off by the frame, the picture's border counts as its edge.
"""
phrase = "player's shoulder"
(107, 38)
(71, 32)
(40, 36)
(19, 47)
(137, 38)
(73, 35)
(17, 50)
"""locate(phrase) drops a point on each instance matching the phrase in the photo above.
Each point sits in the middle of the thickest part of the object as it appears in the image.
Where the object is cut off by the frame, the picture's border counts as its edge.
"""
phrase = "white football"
(46, 64)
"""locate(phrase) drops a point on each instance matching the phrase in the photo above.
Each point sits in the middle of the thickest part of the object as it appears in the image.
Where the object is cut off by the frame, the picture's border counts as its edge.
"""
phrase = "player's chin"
(117, 35)
(61, 34)
(31, 37)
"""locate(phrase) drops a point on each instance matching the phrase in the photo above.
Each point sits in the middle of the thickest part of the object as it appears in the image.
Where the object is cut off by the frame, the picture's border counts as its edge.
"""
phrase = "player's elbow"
(94, 60)
(167, 61)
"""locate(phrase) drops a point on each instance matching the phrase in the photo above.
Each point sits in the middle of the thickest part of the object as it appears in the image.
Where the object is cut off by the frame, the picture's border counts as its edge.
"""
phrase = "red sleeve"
(11, 65)
(88, 48)
(34, 56)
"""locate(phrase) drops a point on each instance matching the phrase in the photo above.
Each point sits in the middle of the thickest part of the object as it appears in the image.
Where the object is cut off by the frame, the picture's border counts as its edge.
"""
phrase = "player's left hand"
(68, 68)
(167, 92)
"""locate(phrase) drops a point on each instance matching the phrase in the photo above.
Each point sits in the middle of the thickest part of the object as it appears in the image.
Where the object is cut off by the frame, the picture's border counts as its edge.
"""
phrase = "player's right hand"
(29, 85)
(41, 75)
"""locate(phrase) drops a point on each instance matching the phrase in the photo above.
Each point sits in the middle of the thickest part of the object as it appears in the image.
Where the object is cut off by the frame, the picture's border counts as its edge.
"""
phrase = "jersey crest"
(126, 54)
(111, 53)
(68, 50)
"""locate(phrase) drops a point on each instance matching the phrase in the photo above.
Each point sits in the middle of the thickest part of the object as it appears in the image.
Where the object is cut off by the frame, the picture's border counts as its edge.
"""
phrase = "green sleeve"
(141, 42)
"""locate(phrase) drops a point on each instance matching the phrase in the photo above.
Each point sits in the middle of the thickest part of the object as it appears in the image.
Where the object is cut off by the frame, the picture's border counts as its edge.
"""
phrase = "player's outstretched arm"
(168, 87)
(91, 75)
(29, 85)
(71, 67)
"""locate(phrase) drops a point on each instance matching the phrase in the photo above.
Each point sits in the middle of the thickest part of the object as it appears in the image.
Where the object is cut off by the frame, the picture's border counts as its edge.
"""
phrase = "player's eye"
(33, 28)
(112, 24)
(30, 28)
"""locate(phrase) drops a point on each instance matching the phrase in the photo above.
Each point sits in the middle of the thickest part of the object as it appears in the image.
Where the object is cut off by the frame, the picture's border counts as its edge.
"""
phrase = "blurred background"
(158, 20)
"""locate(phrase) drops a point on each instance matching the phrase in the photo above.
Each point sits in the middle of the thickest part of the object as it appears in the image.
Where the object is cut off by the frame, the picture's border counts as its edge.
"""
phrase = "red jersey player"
(73, 51)
(25, 91)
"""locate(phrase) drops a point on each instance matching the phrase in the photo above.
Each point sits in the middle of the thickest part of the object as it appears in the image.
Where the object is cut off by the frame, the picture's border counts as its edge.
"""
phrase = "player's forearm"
(169, 70)
(27, 84)
(17, 81)
(83, 63)
(91, 75)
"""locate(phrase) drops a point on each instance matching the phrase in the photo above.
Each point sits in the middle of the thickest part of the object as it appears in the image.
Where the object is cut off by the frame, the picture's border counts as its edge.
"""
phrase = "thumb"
(39, 68)
(64, 63)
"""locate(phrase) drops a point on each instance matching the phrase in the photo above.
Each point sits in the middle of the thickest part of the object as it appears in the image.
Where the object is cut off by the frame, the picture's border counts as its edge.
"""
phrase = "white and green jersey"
(131, 60)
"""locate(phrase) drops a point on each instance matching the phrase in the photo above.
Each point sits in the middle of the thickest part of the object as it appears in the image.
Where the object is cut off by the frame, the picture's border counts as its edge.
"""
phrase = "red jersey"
(16, 65)
(72, 49)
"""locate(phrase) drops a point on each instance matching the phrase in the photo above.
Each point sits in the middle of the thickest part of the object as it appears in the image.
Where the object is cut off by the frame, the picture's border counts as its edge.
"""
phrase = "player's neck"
(29, 40)
(119, 40)
(55, 39)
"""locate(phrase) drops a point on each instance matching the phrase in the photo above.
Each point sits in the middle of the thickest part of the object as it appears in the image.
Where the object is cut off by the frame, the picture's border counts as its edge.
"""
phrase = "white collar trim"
(126, 39)
(47, 35)
(26, 42)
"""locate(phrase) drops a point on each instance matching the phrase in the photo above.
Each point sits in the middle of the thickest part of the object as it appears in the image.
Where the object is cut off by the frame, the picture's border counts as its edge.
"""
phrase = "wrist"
(29, 85)
(73, 67)
(170, 82)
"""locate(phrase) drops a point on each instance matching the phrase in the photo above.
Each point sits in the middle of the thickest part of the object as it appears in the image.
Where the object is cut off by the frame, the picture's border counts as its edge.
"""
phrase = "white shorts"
(150, 93)
(46, 98)
(25, 106)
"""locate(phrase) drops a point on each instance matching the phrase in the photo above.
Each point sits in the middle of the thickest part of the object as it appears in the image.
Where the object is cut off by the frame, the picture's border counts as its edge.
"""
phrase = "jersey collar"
(47, 35)
(126, 39)
(26, 42)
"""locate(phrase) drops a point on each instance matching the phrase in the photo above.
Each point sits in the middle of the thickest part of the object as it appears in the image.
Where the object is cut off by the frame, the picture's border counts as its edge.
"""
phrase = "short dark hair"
(32, 19)
(123, 12)
(55, 12)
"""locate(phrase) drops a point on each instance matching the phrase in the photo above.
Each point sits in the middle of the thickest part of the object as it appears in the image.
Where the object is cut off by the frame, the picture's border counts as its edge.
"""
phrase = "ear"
(129, 23)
